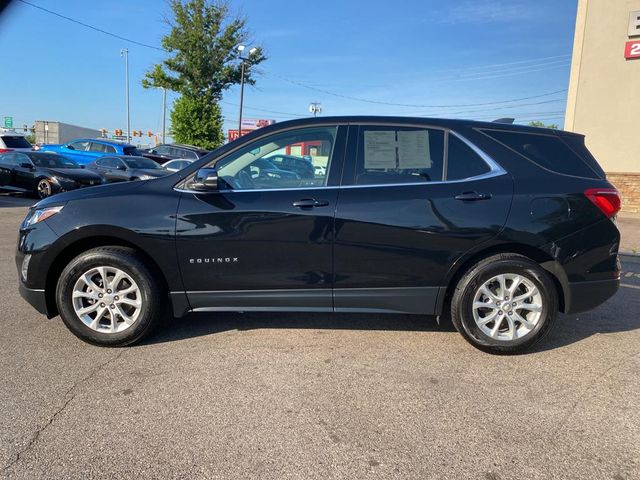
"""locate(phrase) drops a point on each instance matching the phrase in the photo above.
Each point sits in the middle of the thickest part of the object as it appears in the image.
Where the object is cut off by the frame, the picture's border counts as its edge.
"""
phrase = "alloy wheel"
(107, 300)
(507, 307)
(44, 188)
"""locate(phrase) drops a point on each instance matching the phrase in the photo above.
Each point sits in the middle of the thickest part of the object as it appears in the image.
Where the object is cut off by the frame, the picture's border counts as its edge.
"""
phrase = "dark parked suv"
(497, 227)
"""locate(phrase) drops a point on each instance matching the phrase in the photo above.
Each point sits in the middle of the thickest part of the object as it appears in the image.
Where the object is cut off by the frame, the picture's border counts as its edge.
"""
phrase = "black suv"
(164, 152)
(497, 227)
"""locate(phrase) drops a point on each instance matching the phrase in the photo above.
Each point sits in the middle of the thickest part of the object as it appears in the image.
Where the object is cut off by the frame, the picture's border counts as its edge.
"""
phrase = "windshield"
(52, 160)
(15, 141)
(143, 163)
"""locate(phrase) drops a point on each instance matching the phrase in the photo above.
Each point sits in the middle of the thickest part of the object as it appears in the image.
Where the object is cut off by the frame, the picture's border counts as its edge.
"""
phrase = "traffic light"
(149, 134)
(118, 132)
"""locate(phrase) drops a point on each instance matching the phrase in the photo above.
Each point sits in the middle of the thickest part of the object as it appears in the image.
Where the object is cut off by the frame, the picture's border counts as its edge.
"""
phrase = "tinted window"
(102, 148)
(399, 155)
(141, 162)
(131, 151)
(7, 159)
(80, 146)
(545, 150)
(51, 160)
(108, 162)
(161, 150)
(462, 161)
(15, 141)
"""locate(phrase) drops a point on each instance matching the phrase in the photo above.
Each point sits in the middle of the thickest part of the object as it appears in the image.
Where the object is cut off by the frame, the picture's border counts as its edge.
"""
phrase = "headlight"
(145, 177)
(40, 214)
(59, 179)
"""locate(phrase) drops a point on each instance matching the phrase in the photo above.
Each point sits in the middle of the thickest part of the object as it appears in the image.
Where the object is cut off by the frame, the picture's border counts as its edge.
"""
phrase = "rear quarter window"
(547, 151)
(15, 141)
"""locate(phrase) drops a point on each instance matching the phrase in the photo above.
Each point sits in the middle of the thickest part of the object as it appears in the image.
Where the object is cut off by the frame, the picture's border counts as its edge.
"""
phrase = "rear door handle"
(310, 203)
(473, 196)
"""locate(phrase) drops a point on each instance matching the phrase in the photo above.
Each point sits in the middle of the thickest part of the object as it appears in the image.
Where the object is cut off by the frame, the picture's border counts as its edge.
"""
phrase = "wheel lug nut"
(500, 312)
(510, 313)
(112, 306)
(116, 298)
(102, 305)
(99, 295)
(506, 298)
(514, 304)
(108, 291)
(498, 304)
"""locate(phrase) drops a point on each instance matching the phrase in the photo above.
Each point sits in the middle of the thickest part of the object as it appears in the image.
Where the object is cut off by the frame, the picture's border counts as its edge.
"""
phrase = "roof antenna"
(504, 120)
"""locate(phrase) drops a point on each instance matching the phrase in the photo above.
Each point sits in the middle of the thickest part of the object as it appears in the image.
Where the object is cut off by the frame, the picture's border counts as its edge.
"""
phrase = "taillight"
(5, 150)
(606, 199)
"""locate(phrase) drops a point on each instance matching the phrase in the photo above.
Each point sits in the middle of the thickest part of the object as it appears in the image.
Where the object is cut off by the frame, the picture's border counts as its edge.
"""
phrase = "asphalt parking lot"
(316, 396)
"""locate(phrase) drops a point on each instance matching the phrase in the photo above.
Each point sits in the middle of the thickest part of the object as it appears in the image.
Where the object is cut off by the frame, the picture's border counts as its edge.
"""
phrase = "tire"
(44, 188)
(138, 310)
(501, 327)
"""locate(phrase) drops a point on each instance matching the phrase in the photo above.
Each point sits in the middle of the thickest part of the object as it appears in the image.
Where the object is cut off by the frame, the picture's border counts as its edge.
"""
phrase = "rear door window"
(131, 151)
(395, 154)
(547, 151)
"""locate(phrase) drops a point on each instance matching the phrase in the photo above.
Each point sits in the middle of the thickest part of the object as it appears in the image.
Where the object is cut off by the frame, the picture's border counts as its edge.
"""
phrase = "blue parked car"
(85, 151)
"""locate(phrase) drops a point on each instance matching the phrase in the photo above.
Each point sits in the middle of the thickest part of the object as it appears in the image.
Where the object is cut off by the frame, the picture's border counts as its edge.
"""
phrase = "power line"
(531, 60)
(86, 25)
(378, 102)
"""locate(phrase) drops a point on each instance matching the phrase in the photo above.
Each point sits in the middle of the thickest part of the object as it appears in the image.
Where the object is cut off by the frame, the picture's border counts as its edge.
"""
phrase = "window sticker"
(413, 149)
(379, 149)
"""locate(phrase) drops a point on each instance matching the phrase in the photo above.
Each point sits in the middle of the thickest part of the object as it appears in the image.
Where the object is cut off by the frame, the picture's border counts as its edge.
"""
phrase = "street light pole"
(125, 53)
(164, 112)
(243, 64)
(241, 97)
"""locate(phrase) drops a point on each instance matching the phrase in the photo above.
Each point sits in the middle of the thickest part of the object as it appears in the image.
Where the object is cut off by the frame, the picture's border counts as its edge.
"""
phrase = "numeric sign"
(632, 49)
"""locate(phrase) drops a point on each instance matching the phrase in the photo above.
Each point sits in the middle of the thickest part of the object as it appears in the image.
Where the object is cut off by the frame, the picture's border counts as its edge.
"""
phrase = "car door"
(249, 248)
(24, 172)
(413, 201)
(77, 151)
(6, 166)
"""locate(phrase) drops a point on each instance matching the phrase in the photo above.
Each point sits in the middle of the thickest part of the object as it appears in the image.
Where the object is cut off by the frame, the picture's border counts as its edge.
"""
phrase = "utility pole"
(164, 112)
(125, 53)
(244, 61)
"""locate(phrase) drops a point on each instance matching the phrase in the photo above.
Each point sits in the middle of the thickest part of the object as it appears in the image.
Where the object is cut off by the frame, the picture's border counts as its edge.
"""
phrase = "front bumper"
(35, 297)
(583, 296)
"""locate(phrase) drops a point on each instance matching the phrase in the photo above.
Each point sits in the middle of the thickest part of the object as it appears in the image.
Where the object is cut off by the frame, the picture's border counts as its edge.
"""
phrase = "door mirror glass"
(26, 165)
(206, 179)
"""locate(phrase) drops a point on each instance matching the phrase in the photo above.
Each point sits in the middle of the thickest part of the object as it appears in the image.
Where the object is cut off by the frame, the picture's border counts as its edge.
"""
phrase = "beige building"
(604, 91)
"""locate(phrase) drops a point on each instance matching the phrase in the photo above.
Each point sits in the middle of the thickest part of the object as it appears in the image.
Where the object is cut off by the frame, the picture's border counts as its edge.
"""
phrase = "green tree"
(538, 123)
(203, 62)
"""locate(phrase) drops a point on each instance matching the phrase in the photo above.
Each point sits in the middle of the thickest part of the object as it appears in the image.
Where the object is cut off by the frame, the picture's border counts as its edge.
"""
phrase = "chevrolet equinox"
(496, 227)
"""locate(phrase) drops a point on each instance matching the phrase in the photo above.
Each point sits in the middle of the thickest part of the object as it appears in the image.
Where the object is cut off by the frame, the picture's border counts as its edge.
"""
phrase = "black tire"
(154, 306)
(505, 263)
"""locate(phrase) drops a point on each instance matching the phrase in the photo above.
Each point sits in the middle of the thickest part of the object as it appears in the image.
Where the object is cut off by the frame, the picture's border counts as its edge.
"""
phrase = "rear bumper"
(35, 297)
(583, 296)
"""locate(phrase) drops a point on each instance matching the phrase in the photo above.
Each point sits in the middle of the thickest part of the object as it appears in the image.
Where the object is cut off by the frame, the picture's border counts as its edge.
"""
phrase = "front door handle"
(310, 203)
(473, 196)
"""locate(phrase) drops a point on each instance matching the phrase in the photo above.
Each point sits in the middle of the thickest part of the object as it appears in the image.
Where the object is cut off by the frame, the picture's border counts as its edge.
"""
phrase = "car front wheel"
(108, 296)
(504, 304)
(44, 188)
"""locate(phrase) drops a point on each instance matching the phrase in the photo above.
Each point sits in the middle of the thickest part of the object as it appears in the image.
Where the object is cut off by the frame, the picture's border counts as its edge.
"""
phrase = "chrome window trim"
(495, 170)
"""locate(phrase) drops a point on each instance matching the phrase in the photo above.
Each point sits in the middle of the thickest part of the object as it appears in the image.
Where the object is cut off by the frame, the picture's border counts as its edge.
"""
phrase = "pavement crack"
(68, 396)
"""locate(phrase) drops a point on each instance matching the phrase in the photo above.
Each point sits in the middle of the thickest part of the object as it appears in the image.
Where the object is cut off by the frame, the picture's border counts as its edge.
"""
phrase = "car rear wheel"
(44, 188)
(504, 304)
(108, 296)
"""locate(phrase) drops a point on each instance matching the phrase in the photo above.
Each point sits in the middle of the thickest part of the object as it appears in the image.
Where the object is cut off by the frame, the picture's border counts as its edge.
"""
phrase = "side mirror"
(121, 167)
(26, 165)
(206, 179)
(151, 151)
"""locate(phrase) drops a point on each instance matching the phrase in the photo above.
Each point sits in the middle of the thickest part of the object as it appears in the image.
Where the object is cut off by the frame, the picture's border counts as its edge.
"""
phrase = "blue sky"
(427, 54)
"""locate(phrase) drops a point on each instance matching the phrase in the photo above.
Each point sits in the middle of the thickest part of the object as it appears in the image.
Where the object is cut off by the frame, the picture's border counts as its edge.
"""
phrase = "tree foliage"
(538, 123)
(203, 62)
